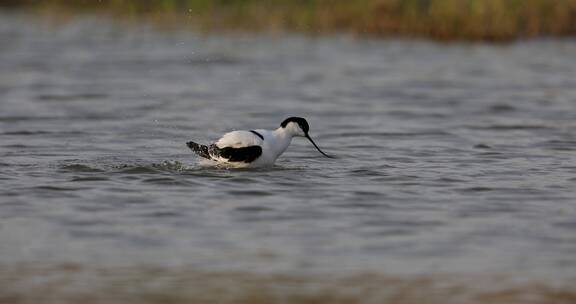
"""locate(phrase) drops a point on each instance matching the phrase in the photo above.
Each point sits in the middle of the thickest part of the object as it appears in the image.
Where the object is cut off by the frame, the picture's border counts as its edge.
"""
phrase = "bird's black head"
(302, 123)
(300, 129)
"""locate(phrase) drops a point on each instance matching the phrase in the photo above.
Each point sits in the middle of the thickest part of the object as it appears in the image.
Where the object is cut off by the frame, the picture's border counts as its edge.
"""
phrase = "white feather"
(238, 139)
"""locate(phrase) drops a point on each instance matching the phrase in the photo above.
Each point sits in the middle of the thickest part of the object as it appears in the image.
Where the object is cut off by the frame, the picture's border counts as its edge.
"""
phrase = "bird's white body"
(275, 142)
(254, 148)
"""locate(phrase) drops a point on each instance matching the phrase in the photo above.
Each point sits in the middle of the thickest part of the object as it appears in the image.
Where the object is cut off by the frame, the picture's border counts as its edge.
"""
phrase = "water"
(453, 158)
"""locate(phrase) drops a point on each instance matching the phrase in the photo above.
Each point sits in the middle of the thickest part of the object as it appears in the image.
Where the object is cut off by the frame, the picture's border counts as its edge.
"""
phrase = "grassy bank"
(63, 284)
(437, 19)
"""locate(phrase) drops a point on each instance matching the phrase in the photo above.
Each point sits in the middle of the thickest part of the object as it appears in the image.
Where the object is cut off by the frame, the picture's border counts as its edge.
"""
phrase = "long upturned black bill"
(310, 139)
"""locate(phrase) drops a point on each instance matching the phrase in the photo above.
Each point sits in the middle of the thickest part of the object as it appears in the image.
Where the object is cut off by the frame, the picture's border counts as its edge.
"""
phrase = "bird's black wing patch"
(244, 154)
(201, 150)
(257, 134)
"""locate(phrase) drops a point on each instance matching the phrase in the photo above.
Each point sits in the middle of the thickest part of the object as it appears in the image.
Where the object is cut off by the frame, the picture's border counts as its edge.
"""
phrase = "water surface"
(451, 158)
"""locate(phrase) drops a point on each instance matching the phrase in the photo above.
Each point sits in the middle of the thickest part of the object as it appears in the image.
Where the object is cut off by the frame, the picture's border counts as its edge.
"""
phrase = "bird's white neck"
(282, 139)
(283, 132)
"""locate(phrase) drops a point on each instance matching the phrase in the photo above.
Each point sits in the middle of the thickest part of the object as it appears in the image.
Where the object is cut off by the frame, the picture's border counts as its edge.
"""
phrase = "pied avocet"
(255, 148)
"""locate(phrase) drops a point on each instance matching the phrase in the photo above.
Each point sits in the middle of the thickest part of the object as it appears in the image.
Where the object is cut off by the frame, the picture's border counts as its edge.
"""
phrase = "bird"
(255, 148)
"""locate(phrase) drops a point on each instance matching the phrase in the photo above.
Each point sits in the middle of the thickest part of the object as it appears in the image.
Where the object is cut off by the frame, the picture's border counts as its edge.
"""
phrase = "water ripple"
(451, 158)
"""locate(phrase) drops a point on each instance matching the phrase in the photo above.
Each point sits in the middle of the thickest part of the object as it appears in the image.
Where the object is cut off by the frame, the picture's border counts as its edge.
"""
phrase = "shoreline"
(67, 283)
(440, 20)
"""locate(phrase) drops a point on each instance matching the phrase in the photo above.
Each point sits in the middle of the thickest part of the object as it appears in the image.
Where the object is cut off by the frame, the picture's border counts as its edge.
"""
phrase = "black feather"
(201, 150)
(257, 134)
(244, 154)
(299, 120)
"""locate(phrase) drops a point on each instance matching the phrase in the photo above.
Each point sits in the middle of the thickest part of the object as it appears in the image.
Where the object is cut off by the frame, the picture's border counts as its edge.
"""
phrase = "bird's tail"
(201, 150)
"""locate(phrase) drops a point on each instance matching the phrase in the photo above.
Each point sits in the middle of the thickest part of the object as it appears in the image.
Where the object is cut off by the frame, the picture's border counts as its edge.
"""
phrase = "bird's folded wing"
(239, 139)
(244, 154)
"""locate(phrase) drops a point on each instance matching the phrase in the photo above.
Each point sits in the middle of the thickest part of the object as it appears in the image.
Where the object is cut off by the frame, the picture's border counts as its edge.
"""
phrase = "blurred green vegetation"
(496, 20)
